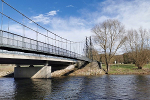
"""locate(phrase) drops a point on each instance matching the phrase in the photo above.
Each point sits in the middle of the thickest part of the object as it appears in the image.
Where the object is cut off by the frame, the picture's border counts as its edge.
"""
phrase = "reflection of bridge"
(54, 49)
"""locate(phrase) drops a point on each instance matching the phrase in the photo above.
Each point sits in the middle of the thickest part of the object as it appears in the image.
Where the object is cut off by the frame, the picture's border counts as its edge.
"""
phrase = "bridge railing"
(15, 41)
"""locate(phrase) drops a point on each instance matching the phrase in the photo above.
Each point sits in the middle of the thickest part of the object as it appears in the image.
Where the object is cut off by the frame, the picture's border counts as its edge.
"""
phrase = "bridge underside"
(48, 65)
(32, 62)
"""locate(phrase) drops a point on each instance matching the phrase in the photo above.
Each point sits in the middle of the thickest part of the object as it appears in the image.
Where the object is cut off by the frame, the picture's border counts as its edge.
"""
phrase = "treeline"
(125, 58)
(111, 36)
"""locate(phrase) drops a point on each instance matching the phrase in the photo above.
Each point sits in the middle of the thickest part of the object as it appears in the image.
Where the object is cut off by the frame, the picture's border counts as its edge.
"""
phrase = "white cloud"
(41, 18)
(133, 13)
(44, 18)
(52, 13)
(70, 6)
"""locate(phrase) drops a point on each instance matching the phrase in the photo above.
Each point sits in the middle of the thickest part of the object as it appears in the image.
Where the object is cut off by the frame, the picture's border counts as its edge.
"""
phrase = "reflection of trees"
(110, 90)
(96, 88)
(27, 89)
(142, 87)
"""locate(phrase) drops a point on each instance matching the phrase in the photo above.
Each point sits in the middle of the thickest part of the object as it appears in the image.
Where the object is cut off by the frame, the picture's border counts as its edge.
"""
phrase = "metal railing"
(15, 41)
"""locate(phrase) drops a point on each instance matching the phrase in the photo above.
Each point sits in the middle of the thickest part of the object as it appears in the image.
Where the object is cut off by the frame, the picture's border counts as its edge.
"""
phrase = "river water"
(106, 87)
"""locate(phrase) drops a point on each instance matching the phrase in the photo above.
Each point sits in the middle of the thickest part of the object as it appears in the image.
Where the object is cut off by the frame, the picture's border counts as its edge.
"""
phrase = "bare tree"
(138, 46)
(109, 36)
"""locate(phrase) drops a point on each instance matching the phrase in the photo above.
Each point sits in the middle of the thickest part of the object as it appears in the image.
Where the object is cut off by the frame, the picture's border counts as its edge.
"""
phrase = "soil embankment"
(6, 70)
(89, 70)
(84, 70)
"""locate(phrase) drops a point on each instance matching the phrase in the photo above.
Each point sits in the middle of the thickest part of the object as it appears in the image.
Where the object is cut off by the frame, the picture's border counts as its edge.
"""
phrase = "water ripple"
(106, 87)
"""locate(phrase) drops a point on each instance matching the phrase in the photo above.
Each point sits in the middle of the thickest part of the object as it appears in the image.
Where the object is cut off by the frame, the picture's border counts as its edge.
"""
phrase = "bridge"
(36, 46)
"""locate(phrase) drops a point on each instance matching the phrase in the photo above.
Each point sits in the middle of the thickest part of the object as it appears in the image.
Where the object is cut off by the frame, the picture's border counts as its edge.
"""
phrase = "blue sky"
(74, 19)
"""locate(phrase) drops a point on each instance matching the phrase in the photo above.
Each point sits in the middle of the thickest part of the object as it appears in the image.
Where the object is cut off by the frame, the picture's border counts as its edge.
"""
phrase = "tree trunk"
(107, 67)
(139, 67)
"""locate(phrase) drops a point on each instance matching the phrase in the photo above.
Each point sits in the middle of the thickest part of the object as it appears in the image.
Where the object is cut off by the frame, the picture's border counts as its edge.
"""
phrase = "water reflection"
(30, 89)
(141, 87)
(106, 87)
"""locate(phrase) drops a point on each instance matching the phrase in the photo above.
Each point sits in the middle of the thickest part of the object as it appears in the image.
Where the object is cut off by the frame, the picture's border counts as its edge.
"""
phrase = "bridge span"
(42, 48)
(46, 64)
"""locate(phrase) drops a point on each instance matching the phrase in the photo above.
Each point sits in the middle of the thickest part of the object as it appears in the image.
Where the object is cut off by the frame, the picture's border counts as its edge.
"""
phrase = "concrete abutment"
(32, 72)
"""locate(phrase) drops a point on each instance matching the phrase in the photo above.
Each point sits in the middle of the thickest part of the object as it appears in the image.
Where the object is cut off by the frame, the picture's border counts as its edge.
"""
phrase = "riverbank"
(91, 69)
(6, 70)
(127, 69)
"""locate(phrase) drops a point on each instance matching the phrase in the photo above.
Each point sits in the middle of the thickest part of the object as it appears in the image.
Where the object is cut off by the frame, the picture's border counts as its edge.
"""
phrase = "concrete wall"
(61, 72)
(32, 72)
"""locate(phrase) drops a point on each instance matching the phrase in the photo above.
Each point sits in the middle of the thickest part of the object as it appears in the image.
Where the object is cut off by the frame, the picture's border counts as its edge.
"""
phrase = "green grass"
(127, 69)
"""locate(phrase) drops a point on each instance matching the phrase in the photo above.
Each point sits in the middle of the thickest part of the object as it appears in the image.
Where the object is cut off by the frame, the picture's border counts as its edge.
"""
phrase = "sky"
(74, 19)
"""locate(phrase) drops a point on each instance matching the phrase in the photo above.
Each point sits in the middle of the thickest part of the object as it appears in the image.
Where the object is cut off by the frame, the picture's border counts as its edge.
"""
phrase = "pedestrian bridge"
(47, 48)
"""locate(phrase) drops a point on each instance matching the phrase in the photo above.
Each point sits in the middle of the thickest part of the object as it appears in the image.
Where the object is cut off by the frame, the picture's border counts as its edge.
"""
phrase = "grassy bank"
(127, 69)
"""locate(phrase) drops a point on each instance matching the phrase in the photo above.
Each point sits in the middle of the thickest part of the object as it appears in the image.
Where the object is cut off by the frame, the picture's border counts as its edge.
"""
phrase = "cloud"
(70, 6)
(41, 18)
(44, 18)
(133, 13)
(52, 13)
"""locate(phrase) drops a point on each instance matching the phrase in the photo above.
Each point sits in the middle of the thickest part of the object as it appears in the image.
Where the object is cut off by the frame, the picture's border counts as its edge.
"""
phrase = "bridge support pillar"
(17, 65)
(31, 66)
(32, 72)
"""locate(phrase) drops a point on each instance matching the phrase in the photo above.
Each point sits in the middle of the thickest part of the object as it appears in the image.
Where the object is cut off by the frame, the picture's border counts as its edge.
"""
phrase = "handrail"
(48, 47)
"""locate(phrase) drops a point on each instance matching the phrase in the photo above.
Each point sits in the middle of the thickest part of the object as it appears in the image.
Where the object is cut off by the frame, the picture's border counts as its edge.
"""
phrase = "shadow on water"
(9, 75)
(58, 88)
(29, 89)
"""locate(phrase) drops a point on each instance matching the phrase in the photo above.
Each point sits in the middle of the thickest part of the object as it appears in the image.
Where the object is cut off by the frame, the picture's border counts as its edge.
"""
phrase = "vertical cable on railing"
(66, 47)
(70, 48)
(48, 43)
(55, 43)
(23, 41)
(8, 24)
(2, 25)
(37, 38)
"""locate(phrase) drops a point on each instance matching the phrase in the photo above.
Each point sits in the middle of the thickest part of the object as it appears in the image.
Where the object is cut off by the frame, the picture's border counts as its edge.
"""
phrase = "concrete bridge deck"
(7, 58)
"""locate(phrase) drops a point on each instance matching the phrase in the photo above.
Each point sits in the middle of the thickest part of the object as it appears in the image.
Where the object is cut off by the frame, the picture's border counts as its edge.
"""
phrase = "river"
(106, 87)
